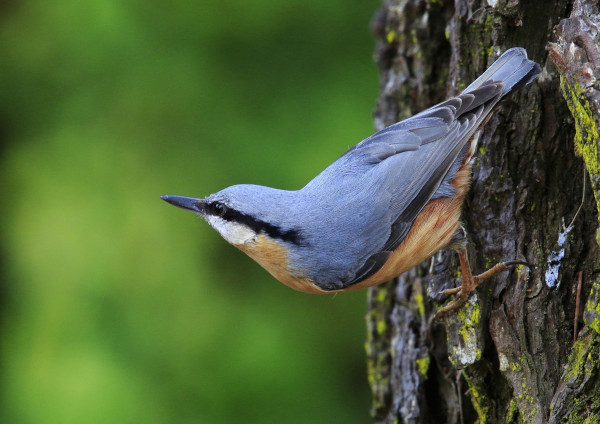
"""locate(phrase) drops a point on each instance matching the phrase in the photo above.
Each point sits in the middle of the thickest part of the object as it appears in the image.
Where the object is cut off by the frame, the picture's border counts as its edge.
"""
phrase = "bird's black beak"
(188, 203)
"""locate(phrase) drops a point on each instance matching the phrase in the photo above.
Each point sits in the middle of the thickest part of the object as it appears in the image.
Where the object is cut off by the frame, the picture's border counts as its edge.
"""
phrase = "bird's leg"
(459, 244)
(468, 284)
(469, 281)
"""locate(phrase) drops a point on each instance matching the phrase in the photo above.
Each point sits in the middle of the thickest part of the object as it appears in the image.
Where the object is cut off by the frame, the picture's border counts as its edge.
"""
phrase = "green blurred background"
(118, 308)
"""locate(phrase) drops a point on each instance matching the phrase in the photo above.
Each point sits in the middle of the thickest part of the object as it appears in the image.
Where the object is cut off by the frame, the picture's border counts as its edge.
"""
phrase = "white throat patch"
(233, 232)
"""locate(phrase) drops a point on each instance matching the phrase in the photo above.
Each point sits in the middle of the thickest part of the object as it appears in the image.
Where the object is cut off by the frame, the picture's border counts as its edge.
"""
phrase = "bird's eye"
(218, 208)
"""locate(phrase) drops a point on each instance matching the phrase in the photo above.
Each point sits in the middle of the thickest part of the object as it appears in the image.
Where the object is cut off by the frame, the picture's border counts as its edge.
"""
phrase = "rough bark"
(509, 355)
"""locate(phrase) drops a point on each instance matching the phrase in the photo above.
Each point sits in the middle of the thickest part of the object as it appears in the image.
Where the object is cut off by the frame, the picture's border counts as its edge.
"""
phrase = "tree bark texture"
(512, 353)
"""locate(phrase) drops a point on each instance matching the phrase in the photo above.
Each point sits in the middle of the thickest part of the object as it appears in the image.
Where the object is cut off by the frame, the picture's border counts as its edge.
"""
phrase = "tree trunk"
(509, 354)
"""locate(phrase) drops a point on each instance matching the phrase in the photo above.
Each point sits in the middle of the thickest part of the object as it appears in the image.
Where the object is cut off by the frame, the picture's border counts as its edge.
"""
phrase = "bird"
(383, 207)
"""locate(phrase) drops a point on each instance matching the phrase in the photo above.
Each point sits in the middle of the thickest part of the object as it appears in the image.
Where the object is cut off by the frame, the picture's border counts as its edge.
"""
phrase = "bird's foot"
(469, 283)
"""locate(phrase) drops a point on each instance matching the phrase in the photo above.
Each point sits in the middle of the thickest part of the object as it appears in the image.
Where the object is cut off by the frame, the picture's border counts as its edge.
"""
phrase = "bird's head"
(241, 212)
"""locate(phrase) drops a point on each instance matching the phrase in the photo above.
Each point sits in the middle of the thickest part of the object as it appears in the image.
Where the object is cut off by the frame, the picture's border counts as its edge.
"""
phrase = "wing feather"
(443, 133)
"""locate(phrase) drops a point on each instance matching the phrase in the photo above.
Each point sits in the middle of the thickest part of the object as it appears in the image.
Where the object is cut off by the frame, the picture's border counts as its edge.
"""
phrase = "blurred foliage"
(118, 308)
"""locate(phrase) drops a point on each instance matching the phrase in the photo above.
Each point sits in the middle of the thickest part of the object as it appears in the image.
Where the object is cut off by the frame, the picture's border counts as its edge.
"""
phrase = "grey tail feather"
(512, 68)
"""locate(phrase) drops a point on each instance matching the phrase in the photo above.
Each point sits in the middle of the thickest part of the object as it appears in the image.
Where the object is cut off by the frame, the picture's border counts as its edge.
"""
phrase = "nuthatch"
(387, 204)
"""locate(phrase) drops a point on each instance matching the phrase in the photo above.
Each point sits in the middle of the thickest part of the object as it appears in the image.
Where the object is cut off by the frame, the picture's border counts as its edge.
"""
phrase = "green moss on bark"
(586, 135)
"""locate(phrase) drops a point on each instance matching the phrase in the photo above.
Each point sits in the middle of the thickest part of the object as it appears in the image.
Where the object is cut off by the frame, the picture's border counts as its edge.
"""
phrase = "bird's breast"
(273, 256)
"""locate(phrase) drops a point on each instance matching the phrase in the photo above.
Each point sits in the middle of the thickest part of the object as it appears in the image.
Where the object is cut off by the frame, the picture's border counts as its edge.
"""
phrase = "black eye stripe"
(221, 210)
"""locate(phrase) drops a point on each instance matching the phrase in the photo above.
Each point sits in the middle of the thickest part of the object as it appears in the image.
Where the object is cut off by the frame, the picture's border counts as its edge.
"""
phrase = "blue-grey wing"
(414, 175)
